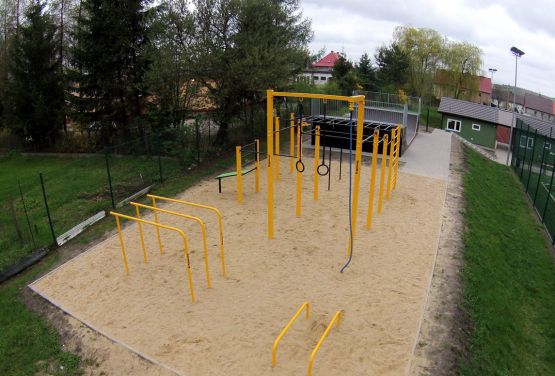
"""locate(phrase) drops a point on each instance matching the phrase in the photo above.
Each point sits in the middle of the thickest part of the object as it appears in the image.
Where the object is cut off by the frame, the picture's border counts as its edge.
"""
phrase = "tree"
(393, 68)
(35, 93)
(244, 47)
(462, 62)
(366, 73)
(108, 66)
(344, 76)
(424, 47)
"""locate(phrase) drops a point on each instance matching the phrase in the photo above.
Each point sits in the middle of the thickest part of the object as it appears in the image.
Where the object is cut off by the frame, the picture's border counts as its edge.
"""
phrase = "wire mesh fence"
(533, 160)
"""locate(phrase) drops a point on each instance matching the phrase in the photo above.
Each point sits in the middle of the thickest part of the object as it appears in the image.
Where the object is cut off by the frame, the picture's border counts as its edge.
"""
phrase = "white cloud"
(495, 26)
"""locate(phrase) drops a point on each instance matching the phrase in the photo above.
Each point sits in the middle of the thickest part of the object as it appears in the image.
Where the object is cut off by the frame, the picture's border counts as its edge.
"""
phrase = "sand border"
(87, 324)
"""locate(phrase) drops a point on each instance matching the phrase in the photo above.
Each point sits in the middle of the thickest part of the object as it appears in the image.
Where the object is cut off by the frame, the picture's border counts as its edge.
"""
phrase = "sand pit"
(231, 327)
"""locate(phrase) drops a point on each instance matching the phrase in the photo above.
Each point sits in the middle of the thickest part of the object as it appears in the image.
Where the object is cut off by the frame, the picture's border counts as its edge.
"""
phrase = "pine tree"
(35, 92)
(366, 73)
(109, 64)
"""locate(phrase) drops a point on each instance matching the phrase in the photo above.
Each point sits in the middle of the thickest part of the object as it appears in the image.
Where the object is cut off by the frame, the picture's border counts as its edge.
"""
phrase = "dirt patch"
(444, 330)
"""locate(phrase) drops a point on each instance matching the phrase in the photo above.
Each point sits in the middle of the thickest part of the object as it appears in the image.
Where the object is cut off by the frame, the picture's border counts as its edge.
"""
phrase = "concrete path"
(428, 155)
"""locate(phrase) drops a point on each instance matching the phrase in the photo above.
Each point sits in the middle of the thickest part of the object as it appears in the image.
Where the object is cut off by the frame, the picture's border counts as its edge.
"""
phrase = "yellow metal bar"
(257, 167)
(358, 162)
(397, 157)
(277, 148)
(141, 235)
(218, 214)
(270, 151)
(183, 236)
(157, 228)
(382, 172)
(305, 305)
(316, 160)
(352, 99)
(292, 142)
(336, 319)
(196, 219)
(299, 179)
(239, 174)
(390, 164)
(373, 178)
(122, 247)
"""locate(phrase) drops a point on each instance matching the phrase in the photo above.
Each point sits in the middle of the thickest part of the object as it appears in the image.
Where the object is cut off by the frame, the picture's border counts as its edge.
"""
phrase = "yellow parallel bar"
(257, 167)
(196, 219)
(390, 164)
(239, 174)
(299, 180)
(352, 99)
(157, 228)
(218, 214)
(375, 147)
(336, 319)
(183, 236)
(292, 142)
(358, 162)
(122, 247)
(382, 172)
(397, 156)
(316, 160)
(277, 148)
(270, 152)
(141, 235)
(282, 333)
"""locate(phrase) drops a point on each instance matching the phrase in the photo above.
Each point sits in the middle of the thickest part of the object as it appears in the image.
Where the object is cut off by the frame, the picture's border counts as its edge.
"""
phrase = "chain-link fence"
(533, 160)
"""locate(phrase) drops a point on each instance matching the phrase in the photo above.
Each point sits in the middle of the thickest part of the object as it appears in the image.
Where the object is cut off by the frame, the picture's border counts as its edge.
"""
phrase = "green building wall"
(484, 137)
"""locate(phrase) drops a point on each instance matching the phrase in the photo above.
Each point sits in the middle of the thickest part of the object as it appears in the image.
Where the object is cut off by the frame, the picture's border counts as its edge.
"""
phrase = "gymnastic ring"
(327, 169)
(299, 169)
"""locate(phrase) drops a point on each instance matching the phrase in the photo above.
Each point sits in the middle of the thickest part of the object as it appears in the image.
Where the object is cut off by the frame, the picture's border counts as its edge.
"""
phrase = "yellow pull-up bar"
(198, 220)
(218, 213)
(336, 319)
(305, 305)
(158, 225)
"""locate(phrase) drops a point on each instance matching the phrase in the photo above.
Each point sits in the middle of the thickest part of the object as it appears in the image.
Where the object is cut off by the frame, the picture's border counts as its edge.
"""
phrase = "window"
(453, 125)
(323, 78)
(530, 142)
(547, 146)
(315, 78)
(522, 141)
(476, 127)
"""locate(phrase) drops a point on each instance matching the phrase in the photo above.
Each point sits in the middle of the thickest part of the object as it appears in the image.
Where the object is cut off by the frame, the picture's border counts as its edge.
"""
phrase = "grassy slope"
(27, 343)
(509, 277)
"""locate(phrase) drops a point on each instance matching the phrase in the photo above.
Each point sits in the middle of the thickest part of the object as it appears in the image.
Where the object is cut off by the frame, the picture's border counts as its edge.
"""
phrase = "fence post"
(26, 214)
(160, 168)
(109, 178)
(47, 210)
(531, 164)
(197, 139)
(541, 167)
(525, 151)
(548, 194)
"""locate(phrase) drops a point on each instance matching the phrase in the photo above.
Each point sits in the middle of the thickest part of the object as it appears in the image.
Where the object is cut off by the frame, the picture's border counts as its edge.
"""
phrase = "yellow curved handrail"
(336, 318)
(282, 333)
(158, 225)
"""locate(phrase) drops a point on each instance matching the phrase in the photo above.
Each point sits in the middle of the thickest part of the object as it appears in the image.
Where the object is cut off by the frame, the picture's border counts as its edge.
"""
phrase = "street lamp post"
(518, 53)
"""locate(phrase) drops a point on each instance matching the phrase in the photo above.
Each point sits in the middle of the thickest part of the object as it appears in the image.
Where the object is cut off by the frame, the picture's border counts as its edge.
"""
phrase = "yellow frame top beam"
(352, 99)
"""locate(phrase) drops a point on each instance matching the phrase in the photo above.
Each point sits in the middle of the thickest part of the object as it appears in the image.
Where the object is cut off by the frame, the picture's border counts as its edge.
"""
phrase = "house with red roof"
(321, 71)
(477, 89)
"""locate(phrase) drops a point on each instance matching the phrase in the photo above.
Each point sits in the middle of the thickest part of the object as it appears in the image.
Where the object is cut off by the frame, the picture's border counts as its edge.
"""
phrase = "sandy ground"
(231, 327)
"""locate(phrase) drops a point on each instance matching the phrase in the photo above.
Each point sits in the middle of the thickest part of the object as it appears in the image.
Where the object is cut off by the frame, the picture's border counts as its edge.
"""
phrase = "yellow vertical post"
(239, 174)
(299, 174)
(335, 320)
(390, 164)
(157, 228)
(277, 147)
(316, 159)
(375, 146)
(257, 167)
(397, 156)
(122, 247)
(270, 151)
(382, 172)
(141, 234)
(358, 162)
(292, 142)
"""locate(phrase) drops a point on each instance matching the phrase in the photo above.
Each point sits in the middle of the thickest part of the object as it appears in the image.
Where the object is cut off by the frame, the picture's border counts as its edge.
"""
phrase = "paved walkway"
(428, 155)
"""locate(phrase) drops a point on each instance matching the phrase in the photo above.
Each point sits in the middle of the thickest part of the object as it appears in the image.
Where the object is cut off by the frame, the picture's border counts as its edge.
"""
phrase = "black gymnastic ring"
(297, 166)
(327, 169)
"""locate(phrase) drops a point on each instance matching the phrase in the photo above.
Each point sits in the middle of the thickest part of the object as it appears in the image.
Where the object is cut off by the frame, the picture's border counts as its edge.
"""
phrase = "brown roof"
(538, 103)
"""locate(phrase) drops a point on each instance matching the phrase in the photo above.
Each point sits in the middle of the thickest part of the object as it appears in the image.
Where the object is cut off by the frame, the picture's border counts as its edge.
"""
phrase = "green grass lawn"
(509, 277)
(76, 187)
(435, 117)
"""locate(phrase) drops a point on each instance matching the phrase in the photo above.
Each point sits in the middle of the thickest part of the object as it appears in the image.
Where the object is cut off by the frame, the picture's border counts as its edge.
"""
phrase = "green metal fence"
(533, 160)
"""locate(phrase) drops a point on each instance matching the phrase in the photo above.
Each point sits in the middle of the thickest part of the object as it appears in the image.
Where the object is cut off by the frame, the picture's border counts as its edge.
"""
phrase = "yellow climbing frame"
(335, 320)
(304, 306)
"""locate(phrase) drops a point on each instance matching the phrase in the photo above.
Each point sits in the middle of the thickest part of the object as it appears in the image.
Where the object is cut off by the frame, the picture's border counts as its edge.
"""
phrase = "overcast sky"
(356, 26)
